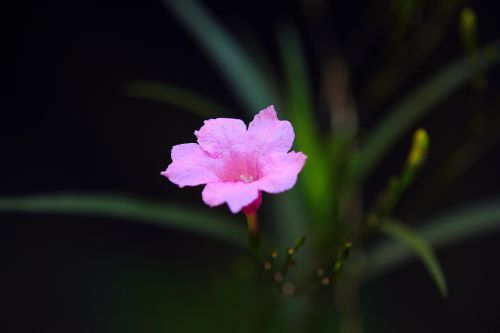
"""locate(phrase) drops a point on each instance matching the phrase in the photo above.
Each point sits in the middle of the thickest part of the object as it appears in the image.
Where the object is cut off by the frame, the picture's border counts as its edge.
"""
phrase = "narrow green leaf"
(175, 96)
(248, 81)
(461, 224)
(300, 107)
(465, 223)
(115, 206)
(416, 105)
(420, 247)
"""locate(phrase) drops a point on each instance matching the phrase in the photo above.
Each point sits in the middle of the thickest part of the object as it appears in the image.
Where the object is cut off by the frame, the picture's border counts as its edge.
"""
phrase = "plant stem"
(253, 233)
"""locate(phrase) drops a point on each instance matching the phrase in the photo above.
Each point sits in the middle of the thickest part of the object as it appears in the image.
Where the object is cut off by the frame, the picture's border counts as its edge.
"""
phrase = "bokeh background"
(69, 126)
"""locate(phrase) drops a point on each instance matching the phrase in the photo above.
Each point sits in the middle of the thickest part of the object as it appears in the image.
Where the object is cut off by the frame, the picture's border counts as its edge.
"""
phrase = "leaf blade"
(467, 222)
(251, 85)
(300, 107)
(417, 104)
(421, 248)
(185, 99)
(122, 207)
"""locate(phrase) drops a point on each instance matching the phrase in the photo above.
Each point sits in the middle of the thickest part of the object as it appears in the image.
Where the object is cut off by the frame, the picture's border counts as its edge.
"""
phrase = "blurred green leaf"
(114, 206)
(417, 104)
(248, 81)
(300, 107)
(289, 217)
(420, 247)
(461, 224)
(176, 96)
(228, 294)
(407, 50)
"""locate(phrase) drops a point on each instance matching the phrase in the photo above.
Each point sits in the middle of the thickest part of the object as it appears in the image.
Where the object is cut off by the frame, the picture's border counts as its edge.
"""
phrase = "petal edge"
(267, 134)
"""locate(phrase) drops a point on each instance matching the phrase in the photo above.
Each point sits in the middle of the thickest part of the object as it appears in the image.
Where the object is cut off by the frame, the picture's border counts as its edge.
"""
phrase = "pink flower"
(237, 163)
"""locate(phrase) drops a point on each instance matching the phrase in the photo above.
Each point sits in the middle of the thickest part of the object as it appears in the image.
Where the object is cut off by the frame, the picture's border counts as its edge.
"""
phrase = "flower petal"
(184, 150)
(266, 134)
(279, 171)
(237, 195)
(191, 166)
(220, 136)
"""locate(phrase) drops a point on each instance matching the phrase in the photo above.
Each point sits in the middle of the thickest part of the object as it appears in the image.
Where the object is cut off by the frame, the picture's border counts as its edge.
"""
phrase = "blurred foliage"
(248, 81)
(457, 225)
(300, 108)
(421, 248)
(115, 206)
(413, 107)
(184, 99)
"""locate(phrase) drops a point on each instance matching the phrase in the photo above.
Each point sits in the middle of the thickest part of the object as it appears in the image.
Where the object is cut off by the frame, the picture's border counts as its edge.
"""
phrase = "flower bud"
(419, 148)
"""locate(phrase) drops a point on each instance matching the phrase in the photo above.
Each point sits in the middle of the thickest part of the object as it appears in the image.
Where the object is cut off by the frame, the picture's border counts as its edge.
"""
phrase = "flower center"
(246, 178)
(240, 168)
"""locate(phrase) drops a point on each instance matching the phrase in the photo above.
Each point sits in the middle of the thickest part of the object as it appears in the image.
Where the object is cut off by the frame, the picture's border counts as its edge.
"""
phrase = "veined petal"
(184, 150)
(191, 166)
(266, 134)
(237, 195)
(220, 136)
(279, 171)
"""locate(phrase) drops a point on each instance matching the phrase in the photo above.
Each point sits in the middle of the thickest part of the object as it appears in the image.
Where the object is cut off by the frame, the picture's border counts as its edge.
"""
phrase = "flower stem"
(253, 233)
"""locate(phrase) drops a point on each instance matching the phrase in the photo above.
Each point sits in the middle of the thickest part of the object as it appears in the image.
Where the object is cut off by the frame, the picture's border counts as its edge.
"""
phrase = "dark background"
(66, 125)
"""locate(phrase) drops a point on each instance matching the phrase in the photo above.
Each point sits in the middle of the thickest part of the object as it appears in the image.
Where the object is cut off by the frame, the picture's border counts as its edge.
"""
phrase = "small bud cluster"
(279, 276)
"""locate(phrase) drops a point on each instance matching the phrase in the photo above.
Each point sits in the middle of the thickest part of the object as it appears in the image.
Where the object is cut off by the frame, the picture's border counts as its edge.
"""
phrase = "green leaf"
(420, 247)
(465, 223)
(176, 96)
(247, 80)
(416, 105)
(461, 224)
(115, 206)
(300, 107)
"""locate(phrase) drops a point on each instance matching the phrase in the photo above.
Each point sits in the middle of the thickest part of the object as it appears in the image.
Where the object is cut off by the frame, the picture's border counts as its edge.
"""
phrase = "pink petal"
(191, 166)
(237, 195)
(184, 150)
(220, 136)
(266, 134)
(279, 171)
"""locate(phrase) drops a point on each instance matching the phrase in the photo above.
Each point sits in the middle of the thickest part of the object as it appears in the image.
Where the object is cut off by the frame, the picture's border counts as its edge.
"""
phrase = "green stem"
(253, 233)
